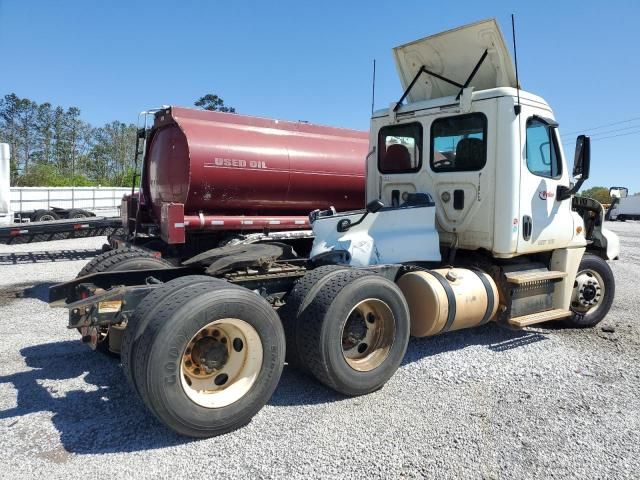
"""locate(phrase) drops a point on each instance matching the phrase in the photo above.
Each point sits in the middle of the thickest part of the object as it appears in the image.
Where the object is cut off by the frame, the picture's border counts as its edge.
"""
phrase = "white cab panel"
(392, 235)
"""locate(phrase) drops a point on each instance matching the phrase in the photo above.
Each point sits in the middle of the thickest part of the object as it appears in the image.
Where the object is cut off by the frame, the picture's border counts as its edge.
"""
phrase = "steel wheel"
(221, 363)
(588, 292)
(368, 334)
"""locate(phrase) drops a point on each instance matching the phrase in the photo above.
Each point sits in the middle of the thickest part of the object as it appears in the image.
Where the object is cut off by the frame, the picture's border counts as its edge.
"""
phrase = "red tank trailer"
(222, 174)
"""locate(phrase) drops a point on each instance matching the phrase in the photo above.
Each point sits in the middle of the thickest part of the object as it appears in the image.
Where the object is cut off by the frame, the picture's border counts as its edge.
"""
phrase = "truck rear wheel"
(593, 292)
(354, 333)
(133, 258)
(210, 359)
(296, 302)
(147, 310)
(118, 260)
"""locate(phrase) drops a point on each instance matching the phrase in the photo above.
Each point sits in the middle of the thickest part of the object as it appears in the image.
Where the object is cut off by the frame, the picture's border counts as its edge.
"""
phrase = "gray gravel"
(489, 402)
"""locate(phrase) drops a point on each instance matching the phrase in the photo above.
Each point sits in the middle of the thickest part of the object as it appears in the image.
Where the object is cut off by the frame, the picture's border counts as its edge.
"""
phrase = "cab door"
(462, 176)
(545, 223)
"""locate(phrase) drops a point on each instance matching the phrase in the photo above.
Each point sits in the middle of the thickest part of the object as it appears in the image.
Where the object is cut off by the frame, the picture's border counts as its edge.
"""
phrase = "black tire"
(591, 318)
(126, 258)
(78, 213)
(44, 216)
(158, 354)
(297, 300)
(321, 325)
(148, 309)
(118, 260)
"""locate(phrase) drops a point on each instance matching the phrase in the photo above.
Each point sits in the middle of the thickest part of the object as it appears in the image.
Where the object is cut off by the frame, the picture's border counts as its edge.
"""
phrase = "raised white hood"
(454, 54)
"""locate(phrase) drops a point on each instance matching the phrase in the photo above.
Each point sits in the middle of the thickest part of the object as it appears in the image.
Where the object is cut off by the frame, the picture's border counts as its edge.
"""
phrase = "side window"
(459, 144)
(542, 151)
(400, 148)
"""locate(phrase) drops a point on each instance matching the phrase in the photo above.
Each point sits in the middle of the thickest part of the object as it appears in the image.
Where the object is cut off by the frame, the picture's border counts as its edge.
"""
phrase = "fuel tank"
(231, 164)
(444, 300)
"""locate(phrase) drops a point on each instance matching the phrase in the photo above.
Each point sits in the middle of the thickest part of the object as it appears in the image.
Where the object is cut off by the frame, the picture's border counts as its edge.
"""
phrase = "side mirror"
(581, 166)
(374, 206)
(582, 158)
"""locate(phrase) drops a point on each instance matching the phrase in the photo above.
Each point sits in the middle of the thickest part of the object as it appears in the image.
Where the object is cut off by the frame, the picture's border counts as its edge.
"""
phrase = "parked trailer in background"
(38, 204)
(41, 214)
(623, 207)
(457, 232)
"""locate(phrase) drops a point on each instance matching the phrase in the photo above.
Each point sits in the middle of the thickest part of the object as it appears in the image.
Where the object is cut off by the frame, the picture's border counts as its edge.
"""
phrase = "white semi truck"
(623, 207)
(471, 218)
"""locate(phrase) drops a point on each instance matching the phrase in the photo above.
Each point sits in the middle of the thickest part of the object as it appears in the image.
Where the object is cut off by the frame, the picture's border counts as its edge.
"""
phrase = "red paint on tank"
(230, 164)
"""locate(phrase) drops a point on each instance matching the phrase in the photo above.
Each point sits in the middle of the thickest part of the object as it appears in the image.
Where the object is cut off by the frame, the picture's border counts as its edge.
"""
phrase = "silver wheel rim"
(368, 333)
(588, 292)
(46, 218)
(221, 363)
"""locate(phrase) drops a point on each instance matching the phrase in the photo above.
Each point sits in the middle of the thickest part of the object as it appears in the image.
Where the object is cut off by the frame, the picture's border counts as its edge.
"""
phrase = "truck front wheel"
(593, 292)
(210, 359)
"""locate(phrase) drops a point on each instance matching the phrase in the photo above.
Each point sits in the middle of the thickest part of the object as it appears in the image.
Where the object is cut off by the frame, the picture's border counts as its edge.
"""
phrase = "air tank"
(231, 164)
(448, 299)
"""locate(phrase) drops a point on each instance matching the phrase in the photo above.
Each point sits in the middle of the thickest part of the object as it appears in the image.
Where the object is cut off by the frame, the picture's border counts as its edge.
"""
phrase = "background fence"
(95, 199)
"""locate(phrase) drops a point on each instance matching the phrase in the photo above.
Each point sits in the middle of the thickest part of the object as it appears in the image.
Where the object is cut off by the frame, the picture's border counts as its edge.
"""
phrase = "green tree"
(601, 194)
(214, 103)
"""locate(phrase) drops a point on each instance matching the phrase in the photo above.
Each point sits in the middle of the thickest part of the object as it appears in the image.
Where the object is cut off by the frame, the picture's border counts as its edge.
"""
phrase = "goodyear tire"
(593, 292)
(298, 300)
(353, 335)
(147, 310)
(119, 260)
(210, 359)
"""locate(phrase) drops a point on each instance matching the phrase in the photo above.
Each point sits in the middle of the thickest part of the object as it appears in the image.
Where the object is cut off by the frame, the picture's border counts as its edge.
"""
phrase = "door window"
(459, 144)
(400, 148)
(542, 150)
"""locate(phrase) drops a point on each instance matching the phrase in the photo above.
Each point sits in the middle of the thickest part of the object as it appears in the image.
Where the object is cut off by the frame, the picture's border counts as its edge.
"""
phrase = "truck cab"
(471, 170)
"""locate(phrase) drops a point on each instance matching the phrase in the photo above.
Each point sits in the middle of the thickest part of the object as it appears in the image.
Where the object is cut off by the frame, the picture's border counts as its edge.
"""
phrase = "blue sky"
(312, 60)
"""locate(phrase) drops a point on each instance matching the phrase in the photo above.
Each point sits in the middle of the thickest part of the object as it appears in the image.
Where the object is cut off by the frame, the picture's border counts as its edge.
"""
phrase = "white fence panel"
(95, 199)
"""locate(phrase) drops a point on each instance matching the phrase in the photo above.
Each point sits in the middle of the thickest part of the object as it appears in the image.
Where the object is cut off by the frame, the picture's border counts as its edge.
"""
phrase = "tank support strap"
(451, 298)
(490, 299)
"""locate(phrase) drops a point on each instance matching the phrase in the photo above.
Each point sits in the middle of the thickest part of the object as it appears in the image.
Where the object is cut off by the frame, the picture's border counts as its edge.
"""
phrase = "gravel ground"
(488, 402)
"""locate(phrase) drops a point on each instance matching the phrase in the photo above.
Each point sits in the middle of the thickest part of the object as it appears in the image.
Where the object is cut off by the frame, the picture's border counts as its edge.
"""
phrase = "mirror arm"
(564, 193)
(344, 225)
(373, 206)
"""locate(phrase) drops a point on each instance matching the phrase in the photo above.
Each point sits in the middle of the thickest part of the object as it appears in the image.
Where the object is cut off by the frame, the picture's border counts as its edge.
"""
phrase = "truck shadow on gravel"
(92, 405)
(296, 388)
(95, 411)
